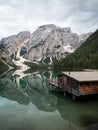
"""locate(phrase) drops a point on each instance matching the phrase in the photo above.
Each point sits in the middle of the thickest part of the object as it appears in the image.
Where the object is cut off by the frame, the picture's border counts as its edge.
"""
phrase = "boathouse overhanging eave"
(82, 76)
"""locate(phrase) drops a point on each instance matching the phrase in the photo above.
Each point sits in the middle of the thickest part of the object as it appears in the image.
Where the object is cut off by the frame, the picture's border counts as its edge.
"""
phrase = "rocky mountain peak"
(51, 27)
(67, 30)
(46, 44)
(12, 42)
(47, 26)
(11, 45)
(50, 42)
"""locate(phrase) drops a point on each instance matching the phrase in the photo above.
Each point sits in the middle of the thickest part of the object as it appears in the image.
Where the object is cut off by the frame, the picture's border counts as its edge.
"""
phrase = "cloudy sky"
(21, 15)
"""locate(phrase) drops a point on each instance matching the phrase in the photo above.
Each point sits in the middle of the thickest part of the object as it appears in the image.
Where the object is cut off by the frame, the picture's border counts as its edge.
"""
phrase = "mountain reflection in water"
(27, 104)
(28, 89)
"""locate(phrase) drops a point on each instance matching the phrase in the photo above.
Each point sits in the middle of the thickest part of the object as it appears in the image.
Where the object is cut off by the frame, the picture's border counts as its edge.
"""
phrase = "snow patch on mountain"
(69, 49)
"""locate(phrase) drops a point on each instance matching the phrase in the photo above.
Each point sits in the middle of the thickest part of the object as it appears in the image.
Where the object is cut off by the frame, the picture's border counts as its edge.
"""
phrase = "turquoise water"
(27, 104)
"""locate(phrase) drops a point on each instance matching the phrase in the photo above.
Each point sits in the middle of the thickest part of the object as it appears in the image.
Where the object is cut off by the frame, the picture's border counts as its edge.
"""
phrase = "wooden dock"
(53, 83)
(54, 86)
(79, 83)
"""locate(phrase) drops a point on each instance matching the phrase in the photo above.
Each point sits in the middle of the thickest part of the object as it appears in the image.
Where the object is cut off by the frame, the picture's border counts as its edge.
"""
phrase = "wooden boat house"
(78, 83)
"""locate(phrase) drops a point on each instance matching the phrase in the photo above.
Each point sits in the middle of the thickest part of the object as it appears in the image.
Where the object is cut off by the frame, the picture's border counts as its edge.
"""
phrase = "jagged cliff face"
(12, 43)
(47, 44)
(12, 46)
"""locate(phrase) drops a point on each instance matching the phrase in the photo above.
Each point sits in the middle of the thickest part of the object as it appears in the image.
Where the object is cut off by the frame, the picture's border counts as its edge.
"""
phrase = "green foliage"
(47, 60)
(84, 57)
(3, 67)
(37, 66)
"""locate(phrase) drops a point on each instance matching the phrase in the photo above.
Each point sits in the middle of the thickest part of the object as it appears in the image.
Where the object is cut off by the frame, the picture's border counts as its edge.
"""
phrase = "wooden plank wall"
(87, 90)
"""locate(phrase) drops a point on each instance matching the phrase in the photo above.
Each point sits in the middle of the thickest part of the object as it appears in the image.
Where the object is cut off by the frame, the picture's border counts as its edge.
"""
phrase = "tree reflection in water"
(26, 88)
(32, 90)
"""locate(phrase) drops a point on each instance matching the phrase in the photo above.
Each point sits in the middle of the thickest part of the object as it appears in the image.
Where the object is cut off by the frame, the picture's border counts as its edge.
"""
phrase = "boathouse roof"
(83, 76)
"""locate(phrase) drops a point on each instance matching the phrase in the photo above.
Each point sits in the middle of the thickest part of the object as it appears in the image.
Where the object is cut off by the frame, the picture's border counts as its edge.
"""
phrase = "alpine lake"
(27, 103)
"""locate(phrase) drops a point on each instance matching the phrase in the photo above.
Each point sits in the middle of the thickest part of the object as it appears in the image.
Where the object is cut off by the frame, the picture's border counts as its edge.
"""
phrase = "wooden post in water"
(73, 97)
(64, 93)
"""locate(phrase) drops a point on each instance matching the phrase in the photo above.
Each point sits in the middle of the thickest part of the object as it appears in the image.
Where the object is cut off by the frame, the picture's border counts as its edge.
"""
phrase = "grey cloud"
(89, 5)
(16, 15)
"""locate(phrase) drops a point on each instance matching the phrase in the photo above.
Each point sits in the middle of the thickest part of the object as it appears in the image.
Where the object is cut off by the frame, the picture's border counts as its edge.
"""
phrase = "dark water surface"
(27, 104)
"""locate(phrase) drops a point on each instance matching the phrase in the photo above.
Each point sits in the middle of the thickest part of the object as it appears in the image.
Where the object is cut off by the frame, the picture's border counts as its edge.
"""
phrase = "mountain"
(47, 44)
(12, 45)
(50, 43)
(86, 56)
